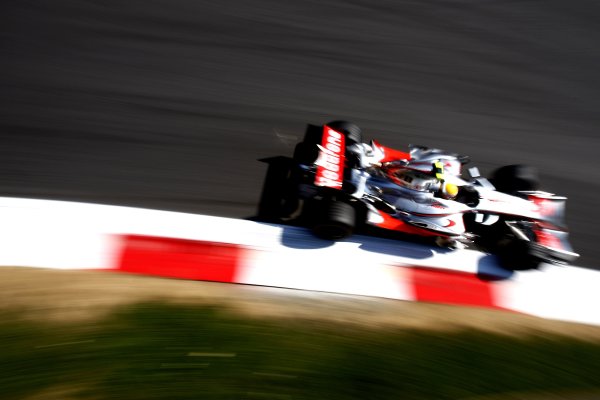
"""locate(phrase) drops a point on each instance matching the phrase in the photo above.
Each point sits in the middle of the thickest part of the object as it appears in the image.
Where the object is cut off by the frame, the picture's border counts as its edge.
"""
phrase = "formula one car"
(421, 192)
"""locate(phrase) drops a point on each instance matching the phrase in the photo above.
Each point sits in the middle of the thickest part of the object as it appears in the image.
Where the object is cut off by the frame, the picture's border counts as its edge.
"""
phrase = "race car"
(421, 191)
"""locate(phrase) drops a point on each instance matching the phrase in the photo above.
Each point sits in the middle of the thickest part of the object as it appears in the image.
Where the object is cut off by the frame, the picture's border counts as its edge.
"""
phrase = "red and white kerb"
(330, 163)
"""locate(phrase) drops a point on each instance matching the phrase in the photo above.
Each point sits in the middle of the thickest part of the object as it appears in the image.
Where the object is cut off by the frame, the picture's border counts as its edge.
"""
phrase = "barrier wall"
(67, 235)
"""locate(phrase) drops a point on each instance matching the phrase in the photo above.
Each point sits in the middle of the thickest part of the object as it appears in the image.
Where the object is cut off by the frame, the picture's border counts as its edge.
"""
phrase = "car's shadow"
(490, 269)
(298, 237)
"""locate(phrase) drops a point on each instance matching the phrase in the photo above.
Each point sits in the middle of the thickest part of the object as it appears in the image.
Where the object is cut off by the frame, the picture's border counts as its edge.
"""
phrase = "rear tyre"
(514, 178)
(336, 220)
(352, 132)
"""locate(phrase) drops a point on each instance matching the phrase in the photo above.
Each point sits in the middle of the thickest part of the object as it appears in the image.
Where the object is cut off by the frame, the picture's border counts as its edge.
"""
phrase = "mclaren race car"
(422, 192)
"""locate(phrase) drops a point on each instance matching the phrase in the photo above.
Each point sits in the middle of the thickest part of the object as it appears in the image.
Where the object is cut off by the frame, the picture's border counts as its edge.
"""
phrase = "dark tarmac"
(169, 104)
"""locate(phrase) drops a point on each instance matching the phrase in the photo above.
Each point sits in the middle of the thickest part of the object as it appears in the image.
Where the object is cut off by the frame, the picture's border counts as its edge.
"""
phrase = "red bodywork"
(390, 154)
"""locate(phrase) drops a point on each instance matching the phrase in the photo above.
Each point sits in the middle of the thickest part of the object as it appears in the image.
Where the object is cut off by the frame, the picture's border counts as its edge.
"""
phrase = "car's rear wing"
(330, 162)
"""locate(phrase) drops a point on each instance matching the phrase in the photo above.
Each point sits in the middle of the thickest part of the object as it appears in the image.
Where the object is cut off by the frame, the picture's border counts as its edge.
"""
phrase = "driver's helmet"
(449, 190)
(424, 180)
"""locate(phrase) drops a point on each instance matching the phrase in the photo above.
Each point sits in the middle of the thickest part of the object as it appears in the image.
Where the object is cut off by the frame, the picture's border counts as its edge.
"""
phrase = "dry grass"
(71, 296)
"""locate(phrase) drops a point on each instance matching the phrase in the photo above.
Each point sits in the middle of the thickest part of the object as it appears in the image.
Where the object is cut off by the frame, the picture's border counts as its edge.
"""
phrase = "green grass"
(143, 352)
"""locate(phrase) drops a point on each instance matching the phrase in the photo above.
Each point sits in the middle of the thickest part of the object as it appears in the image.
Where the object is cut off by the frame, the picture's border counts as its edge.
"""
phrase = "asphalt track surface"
(170, 104)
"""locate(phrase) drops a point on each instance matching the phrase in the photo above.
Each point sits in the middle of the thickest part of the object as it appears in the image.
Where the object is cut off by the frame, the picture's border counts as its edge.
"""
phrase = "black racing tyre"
(515, 255)
(336, 220)
(352, 132)
(514, 178)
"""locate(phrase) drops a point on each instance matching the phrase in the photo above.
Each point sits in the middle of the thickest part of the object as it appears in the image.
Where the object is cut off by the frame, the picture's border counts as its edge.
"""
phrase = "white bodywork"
(425, 208)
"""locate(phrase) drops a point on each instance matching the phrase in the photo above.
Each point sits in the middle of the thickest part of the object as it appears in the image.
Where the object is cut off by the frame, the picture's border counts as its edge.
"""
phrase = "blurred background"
(169, 104)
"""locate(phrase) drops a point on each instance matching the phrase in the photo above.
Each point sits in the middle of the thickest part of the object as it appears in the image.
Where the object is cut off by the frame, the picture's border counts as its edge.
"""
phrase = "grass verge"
(158, 351)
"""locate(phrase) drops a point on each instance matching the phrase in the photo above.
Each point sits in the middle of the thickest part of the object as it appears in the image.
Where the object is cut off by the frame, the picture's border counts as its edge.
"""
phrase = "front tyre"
(516, 255)
(336, 221)
(515, 178)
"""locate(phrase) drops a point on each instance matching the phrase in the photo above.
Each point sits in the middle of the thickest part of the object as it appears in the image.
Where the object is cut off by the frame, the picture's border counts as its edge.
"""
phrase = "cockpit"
(415, 180)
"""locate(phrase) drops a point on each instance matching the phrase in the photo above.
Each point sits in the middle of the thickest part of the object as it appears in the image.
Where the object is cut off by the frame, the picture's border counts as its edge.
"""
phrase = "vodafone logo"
(330, 163)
